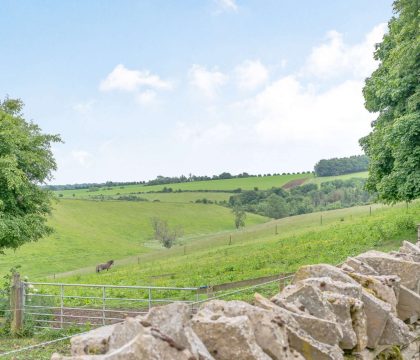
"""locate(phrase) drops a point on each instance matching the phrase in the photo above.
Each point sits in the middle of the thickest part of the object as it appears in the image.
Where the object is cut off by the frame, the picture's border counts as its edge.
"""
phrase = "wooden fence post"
(17, 302)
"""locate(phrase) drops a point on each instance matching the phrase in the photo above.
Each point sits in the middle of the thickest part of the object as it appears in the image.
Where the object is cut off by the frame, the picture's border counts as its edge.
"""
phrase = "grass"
(258, 251)
(319, 180)
(89, 232)
(264, 182)
(228, 185)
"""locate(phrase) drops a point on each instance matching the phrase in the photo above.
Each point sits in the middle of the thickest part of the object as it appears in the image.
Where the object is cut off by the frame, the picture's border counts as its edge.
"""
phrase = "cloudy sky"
(142, 88)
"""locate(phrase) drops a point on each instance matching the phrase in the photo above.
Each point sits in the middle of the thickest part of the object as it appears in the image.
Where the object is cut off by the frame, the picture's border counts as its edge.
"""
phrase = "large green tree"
(26, 162)
(393, 92)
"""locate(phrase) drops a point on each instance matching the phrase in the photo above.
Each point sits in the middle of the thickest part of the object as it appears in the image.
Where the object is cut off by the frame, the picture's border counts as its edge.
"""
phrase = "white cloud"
(251, 74)
(146, 97)
(227, 5)
(207, 81)
(84, 158)
(84, 108)
(124, 79)
(335, 58)
(289, 111)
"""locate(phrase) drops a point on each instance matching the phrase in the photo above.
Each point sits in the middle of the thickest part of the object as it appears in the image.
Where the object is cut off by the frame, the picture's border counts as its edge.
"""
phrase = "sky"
(139, 88)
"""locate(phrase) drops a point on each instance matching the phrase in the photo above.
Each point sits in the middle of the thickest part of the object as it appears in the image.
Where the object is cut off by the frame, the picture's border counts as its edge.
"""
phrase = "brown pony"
(105, 266)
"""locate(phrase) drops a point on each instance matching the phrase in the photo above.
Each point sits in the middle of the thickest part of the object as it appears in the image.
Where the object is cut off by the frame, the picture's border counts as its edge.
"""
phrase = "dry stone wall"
(371, 303)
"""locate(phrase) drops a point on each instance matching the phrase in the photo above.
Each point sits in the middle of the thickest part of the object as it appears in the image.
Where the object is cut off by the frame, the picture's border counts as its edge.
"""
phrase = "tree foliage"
(26, 162)
(393, 91)
(341, 166)
(239, 215)
(164, 234)
(278, 203)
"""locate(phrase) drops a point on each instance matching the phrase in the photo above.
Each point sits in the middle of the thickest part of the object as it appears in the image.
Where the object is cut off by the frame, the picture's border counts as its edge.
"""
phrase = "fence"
(58, 305)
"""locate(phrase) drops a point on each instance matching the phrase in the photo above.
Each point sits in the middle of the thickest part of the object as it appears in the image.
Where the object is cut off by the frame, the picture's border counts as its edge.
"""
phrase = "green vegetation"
(341, 166)
(228, 185)
(258, 250)
(393, 91)
(320, 180)
(26, 161)
(277, 202)
(91, 232)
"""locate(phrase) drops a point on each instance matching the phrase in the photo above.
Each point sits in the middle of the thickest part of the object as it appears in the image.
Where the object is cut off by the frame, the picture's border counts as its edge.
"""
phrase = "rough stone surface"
(307, 298)
(408, 306)
(346, 310)
(322, 270)
(93, 342)
(360, 266)
(228, 338)
(271, 337)
(386, 264)
(395, 332)
(339, 287)
(385, 288)
(377, 314)
(299, 339)
(361, 304)
(173, 320)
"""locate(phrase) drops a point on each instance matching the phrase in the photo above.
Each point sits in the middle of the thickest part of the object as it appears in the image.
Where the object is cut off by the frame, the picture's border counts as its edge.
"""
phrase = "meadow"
(258, 250)
(89, 232)
(200, 189)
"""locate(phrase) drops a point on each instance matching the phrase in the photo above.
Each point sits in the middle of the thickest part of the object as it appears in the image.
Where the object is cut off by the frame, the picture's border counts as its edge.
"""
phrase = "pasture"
(199, 189)
(90, 232)
(258, 250)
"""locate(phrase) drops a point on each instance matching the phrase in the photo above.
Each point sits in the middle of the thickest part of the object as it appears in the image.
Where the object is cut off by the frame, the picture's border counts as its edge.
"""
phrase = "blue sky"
(145, 88)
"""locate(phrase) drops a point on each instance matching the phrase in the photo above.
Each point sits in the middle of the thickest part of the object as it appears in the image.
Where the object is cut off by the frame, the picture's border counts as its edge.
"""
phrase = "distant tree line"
(277, 202)
(163, 180)
(341, 166)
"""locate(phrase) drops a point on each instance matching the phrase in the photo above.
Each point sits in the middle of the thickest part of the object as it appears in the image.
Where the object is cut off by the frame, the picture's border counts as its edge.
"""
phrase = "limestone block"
(395, 332)
(386, 264)
(360, 266)
(322, 270)
(408, 306)
(377, 314)
(339, 287)
(93, 342)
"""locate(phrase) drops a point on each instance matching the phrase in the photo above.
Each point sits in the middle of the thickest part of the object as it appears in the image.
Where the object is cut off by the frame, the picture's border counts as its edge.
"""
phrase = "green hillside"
(88, 232)
(258, 251)
(228, 185)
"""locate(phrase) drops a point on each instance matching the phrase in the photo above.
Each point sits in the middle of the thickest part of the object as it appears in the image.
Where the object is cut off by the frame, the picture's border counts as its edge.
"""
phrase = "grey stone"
(347, 310)
(360, 267)
(269, 336)
(339, 287)
(377, 314)
(299, 339)
(395, 332)
(94, 342)
(408, 306)
(386, 264)
(322, 270)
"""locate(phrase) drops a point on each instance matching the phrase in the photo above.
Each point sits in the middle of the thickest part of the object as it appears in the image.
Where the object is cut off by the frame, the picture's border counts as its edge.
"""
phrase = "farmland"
(199, 189)
(87, 232)
(210, 259)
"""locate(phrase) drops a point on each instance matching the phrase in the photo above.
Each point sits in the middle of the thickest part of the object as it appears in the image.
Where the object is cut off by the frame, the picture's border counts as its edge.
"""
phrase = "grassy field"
(258, 251)
(265, 182)
(319, 180)
(89, 232)
(262, 183)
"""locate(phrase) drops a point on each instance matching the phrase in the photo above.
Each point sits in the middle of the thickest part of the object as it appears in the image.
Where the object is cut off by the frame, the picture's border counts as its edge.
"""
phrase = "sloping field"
(88, 232)
(319, 180)
(258, 250)
(264, 182)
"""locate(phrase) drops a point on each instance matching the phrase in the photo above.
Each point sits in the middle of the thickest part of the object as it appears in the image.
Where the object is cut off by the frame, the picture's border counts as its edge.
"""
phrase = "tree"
(393, 91)
(26, 163)
(240, 216)
(163, 233)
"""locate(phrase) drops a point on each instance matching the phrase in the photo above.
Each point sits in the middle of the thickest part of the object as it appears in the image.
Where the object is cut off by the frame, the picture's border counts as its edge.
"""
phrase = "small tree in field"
(164, 234)
(240, 216)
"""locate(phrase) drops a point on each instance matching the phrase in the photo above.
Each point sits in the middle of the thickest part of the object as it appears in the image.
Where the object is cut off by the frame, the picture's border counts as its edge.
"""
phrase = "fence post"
(17, 303)
(103, 305)
(150, 298)
(61, 304)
